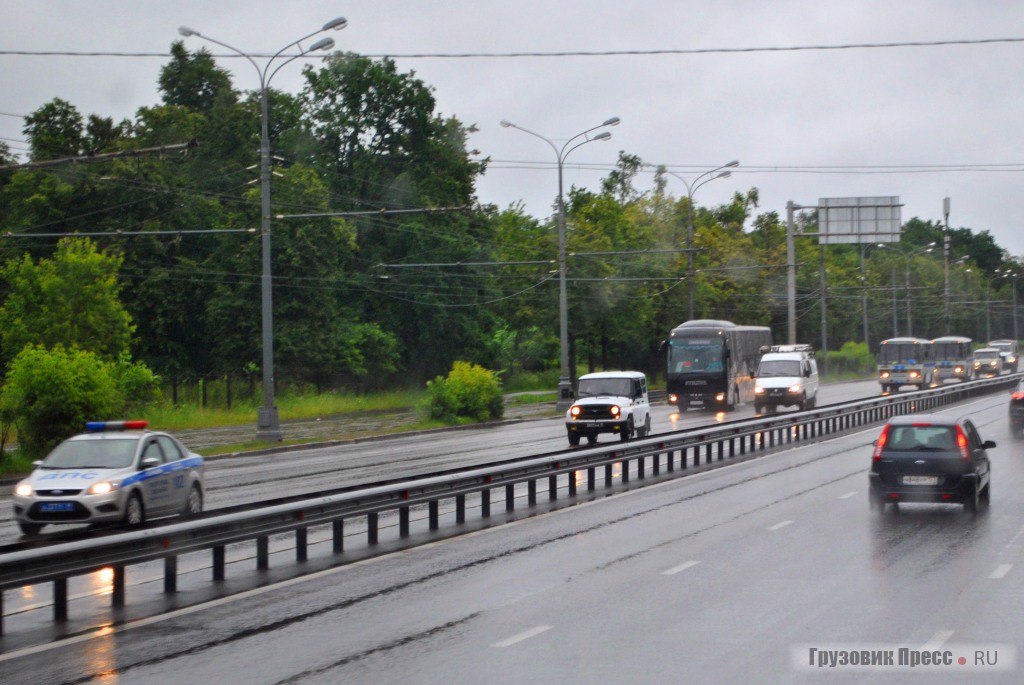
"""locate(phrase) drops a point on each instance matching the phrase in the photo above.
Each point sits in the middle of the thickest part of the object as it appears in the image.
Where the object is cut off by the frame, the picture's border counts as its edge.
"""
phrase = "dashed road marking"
(1001, 571)
(781, 524)
(681, 567)
(525, 635)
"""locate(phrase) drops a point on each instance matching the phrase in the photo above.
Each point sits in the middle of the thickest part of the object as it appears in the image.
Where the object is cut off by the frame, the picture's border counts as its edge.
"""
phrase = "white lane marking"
(938, 639)
(681, 567)
(781, 524)
(525, 635)
(1001, 571)
(848, 495)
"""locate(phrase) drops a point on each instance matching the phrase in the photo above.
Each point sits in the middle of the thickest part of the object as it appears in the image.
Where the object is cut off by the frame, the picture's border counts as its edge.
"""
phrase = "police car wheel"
(30, 528)
(134, 513)
(194, 504)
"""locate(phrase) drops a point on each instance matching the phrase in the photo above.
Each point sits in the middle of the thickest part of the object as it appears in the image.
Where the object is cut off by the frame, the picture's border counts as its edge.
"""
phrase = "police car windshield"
(592, 387)
(778, 367)
(109, 453)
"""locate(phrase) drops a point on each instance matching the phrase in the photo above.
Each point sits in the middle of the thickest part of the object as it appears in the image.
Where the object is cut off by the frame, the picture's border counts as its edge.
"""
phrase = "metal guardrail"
(672, 452)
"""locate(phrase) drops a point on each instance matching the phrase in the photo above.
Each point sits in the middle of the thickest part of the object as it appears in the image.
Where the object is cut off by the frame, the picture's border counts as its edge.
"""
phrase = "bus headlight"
(720, 397)
(884, 374)
(914, 374)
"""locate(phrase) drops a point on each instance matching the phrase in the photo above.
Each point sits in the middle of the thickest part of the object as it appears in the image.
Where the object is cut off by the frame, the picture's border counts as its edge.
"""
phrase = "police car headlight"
(23, 490)
(795, 388)
(104, 487)
(575, 411)
(758, 390)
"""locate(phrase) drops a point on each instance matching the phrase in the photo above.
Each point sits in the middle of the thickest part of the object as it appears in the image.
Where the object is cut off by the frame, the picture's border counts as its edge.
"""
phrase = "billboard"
(853, 220)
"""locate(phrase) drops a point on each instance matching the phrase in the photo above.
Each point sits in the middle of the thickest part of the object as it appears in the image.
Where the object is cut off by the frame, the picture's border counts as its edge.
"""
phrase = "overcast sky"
(921, 123)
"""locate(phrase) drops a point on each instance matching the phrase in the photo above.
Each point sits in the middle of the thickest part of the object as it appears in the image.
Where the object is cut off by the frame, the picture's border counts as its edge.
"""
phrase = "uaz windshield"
(594, 387)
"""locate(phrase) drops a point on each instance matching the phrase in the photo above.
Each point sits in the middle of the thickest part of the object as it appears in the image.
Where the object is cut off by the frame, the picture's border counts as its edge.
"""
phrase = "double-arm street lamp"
(268, 426)
(691, 188)
(906, 283)
(565, 381)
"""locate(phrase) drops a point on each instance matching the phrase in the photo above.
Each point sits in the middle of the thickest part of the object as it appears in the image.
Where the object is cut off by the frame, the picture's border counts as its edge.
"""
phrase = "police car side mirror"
(150, 462)
(37, 463)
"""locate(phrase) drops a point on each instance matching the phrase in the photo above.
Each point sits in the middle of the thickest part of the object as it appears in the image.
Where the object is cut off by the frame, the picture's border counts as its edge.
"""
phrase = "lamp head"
(322, 44)
(505, 124)
(336, 24)
(734, 162)
(724, 174)
(614, 121)
(187, 32)
(602, 136)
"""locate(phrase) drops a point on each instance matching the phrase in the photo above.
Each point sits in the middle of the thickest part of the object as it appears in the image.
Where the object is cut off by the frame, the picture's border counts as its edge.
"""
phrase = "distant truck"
(1008, 353)
(787, 376)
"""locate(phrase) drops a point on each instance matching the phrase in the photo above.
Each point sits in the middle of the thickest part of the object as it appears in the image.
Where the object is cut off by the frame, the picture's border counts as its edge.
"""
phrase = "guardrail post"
(301, 544)
(552, 488)
(708, 449)
(403, 522)
(485, 502)
(591, 479)
(218, 563)
(338, 535)
(372, 523)
(625, 470)
(433, 513)
(117, 592)
(531, 492)
(608, 474)
(721, 450)
(670, 461)
(510, 497)
(262, 553)
(60, 600)
(572, 483)
(1, 612)
(656, 464)
(641, 467)
(460, 508)
(170, 575)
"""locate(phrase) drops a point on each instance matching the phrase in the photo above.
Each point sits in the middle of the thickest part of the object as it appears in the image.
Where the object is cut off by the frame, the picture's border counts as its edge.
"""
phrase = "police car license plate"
(920, 480)
(57, 506)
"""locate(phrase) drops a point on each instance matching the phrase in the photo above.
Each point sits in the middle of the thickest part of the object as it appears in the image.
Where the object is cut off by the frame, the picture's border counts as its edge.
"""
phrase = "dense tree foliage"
(386, 270)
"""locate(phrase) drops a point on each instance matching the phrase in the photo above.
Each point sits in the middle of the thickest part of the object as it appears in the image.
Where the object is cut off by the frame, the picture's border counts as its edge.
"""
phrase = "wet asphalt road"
(721, 577)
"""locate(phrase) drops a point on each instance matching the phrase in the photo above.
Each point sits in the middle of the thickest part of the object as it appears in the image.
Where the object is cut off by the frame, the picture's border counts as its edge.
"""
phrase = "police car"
(117, 471)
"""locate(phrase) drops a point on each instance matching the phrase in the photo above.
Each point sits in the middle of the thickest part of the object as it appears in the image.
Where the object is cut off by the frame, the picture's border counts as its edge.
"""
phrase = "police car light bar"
(100, 426)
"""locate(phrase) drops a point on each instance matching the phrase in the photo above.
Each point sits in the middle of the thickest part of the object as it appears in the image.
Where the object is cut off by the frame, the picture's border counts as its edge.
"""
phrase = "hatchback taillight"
(961, 442)
(1017, 396)
(880, 443)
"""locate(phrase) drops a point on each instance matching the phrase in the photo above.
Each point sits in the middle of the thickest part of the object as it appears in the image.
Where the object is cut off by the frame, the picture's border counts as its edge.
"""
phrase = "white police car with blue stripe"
(117, 471)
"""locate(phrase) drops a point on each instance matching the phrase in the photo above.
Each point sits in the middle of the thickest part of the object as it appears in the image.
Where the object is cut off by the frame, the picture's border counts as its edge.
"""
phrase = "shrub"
(852, 358)
(50, 394)
(469, 391)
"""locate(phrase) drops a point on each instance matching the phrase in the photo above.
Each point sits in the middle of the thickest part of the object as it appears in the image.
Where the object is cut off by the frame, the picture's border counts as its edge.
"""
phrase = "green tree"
(193, 80)
(54, 130)
(49, 394)
(70, 300)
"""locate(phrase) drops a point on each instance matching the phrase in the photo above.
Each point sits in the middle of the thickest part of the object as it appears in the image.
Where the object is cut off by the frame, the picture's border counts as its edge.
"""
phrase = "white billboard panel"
(846, 220)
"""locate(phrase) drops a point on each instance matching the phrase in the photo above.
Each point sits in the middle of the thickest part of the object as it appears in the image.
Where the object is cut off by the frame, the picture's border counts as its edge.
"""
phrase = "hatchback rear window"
(903, 438)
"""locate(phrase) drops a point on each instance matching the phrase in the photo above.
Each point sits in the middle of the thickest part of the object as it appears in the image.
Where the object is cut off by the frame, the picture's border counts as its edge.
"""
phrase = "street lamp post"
(1012, 274)
(691, 188)
(565, 395)
(268, 425)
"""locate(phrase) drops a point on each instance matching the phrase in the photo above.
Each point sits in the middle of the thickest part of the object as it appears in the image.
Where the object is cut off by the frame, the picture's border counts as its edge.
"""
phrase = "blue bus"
(711, 363)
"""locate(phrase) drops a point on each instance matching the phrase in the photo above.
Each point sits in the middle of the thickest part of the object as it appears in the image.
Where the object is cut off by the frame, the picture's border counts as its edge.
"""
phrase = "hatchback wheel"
(972, 501)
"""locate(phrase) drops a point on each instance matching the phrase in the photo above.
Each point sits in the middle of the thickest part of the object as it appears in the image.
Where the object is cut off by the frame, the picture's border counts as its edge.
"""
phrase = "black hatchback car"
(1017, 410)
(930, 458)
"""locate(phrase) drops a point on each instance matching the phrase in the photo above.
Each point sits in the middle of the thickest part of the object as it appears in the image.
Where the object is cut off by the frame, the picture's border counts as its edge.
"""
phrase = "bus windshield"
(695, 355)
(949, 350)
(901, 352)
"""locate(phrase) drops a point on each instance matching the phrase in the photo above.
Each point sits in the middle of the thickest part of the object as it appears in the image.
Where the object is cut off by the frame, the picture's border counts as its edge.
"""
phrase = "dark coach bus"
(711, 363)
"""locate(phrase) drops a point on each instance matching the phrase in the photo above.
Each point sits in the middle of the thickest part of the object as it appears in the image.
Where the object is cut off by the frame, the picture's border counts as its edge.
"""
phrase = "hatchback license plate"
(920, 480)
(57, 506)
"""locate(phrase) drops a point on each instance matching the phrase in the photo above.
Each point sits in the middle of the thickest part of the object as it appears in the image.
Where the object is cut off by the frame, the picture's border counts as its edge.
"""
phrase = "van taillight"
(880, 443)
(961, 442)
